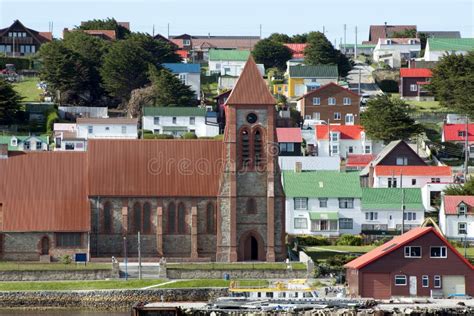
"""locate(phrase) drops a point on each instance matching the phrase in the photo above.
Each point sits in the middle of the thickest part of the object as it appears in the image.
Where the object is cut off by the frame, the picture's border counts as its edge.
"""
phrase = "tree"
(160, 51)
(108, 24)
(406, 33)
(279, 38)
(9, 103)
(271, 54)
(168, 90)
(319, 50)
(299, 38)
(459, 189)
(453, 83)
(386, 119)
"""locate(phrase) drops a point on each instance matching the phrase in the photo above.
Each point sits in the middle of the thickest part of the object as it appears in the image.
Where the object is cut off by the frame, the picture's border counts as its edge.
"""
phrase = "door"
(253, 249)
(413, 286)
(45, 246)
(453, 284)
(376, 285)
(391, 222)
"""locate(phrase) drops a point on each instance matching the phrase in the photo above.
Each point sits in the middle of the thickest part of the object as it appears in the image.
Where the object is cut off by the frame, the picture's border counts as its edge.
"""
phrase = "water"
(60, 313)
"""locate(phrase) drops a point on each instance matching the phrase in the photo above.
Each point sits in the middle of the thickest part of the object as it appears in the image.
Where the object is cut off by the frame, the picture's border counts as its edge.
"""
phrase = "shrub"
(51, 117)
(157, 136)
(349, 240)
(381, 241)
(307, 240)
(20, 63)
(65, 259)
(338, 261)
(457, 243)
(189, 135)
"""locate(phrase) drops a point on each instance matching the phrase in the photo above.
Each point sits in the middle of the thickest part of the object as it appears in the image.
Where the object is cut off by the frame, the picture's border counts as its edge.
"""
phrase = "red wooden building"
(414, 264)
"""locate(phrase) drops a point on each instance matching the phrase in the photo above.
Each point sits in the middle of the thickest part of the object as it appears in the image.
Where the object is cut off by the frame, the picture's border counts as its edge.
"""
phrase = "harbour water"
(60, 313)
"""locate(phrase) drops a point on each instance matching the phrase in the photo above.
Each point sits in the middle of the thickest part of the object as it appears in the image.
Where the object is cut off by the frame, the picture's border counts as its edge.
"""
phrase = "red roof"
(182, 53)
(439, 171)
(451, 132)
(46, 35)
(354, 160)
(384, 31)
(297, 49)
(415, 73)
(451, 203)
(347, 131)
(398, 242)
(327, 85)
(289, 135)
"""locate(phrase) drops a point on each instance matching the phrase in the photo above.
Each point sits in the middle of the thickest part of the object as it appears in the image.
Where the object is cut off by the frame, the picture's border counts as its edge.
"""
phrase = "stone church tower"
(251, 200)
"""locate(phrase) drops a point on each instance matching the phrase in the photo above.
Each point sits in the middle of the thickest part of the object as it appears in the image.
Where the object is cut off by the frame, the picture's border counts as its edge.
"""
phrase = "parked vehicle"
(309, 123)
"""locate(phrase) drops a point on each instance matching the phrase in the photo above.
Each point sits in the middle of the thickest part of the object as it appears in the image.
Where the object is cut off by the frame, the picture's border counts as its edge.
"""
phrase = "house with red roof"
(18, 40)
(386, 31)
(418, 263)
(343, 140)
(411, 176)
(358, 161)
(289, 141)
(456, 216)
(413, 82)
(457, 133)
(297, 49)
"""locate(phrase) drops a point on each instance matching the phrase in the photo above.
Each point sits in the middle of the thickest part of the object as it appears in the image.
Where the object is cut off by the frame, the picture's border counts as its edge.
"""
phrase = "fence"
(429, 117)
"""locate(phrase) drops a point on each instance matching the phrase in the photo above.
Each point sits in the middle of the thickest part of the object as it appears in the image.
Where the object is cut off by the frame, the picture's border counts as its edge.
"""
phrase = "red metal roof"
(190, 168)
(297, 49)
(451, 203)
(398, 242)
(451, 132)
(44, 191)
(322, 88)
(347, 131)
(182, 53)
(355, 160)
(250, 88)
(415, 73)
(413, 171)
(289, 135)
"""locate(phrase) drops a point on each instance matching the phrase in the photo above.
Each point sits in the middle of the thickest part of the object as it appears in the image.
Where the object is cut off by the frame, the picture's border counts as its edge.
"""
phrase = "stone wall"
(55, 275)
(235, 274)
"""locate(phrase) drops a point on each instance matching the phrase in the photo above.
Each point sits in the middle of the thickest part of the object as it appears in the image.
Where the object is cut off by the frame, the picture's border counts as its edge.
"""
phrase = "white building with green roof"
(179, 120)
(227, 62)
(439, 47)
(326, 203)
(26, 143)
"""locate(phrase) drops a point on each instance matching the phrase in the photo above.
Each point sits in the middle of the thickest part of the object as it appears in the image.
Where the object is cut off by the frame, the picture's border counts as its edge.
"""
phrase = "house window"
(287, 147)
(413, 87)
(388, 42)
(156, 120)
(90, 129)
(438, 252)
(186, 42)
(181, 219)
(462, 209)
(192, 120)
(371, 216)
(409, 216)
(412, 252)
(14, 142)
(413, 181)
(182, 78)
(346, 223)
(301, 203)
(174, 119)
(107, 218)
(39, 145)
(68, 240)
(368, 149)
(301, 223)
(317, 116)
(332, 101)
(462, 228)
(346, 203)
(124, 129)
(400, 280)
(335, 150)
(323, 202)
(107, 128)
(392, 182)
(349, 119)
(347, 101)
(316, 101)
(211, 218)
(69, 146)
(26, 145)
(425, 281)
(334, 136)
(171, 218)
(337, 116)
(462, 133)
(437, 281)
(351, 149)
(435, 180)
(251, 206)
(402, 161)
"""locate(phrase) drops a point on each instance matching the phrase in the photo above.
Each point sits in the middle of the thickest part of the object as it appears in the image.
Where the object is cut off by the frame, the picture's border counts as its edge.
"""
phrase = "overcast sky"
(243, 17)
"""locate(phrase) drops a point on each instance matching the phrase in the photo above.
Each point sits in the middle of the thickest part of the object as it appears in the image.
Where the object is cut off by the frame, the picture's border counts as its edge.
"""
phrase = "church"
(189, 200)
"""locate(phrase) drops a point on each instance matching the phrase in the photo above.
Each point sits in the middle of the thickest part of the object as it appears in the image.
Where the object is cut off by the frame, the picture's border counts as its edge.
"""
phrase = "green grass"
(234, 266)
(212, 283)
(422, 106)
(76, 285)
(353, 249)
(20, 266)
(28, 90)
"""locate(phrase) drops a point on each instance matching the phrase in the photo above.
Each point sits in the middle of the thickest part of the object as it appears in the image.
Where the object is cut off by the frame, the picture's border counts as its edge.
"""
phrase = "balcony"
(16, 40)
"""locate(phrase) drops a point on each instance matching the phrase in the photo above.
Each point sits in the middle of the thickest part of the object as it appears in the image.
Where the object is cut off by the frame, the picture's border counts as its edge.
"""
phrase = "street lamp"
(125, 257)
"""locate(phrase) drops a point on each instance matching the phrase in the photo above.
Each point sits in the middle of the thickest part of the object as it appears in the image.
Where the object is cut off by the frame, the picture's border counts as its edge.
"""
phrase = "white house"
(326, 203)
(26, 143)
(342, 140)
(456, 216)
(227, 62)
(393, 51)
(188, 74)
(179, 120)
(403, 176)
(439, 47)
(382, 210)
(109, 128)
(66, 139)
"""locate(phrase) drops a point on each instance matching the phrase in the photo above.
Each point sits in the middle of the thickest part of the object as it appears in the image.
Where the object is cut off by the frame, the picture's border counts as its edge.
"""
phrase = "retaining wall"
(54, 275)
(235, 274)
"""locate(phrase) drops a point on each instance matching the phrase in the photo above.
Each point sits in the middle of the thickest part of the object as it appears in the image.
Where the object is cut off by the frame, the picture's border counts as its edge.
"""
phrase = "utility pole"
(345, 28)
(139, 257)
(260, 31)
(466, 149)
(324, 30)
(168, 31)
(355, 45)
(360, 78)
(125, 256)
(153, 32)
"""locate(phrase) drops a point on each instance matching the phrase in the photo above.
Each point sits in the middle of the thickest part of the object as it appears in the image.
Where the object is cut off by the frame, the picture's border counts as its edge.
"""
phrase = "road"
(367, 83)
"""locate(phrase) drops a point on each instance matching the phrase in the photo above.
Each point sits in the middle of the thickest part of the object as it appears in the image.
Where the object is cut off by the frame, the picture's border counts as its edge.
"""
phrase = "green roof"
(358, 45)
(330, 184)
(451, 44)
(227, 54)
(317, 71)
(323, 215)
(391, 198)
(174, 111)
(7, 140)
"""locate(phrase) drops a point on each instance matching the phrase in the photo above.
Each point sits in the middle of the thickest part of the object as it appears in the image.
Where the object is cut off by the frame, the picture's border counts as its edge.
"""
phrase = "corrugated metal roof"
(451, 44)
(289, 135)
(451, 203)
(178, 68)
(317, 71)
(250, 88)
(44, 191)
(391, 198)
(115, 120)
(415, 73)
(228, 54)
(330, 184)
(346, 131)
(359, 160)
(386, 31)
(455, 132)
(188, 168)
(426, 171)
(297, 49)
(174, 111)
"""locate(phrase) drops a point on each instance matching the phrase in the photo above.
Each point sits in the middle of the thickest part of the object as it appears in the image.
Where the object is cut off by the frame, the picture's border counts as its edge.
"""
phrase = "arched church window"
(245, 147)
(147, 218)
(137, 217)
(258, 146)
(171, 218)
(181, 219)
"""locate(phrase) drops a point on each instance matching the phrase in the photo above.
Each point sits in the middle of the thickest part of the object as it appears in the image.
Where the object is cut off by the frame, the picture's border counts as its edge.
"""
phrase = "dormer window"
(388, 41)
(412, 42)
(186, 42)
(461, 133)
(14, 142)
(462, 209)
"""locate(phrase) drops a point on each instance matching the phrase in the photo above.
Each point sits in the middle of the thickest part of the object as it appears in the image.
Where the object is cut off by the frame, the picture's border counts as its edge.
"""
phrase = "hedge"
(20, 63)
(308, 240)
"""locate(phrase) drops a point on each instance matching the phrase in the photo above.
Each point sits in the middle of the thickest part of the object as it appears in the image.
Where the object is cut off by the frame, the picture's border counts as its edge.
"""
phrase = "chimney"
(371, 175)
(3, 151)
(385, 30)
(298, 166)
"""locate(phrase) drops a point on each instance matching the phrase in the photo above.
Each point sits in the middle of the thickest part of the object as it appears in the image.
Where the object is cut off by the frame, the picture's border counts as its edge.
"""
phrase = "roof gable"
(384, 31)
(250, 88)
(451, 203)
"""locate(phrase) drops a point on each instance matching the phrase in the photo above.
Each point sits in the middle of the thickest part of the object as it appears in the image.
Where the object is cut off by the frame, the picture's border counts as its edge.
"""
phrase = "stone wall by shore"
(235, 274)
(55, 275)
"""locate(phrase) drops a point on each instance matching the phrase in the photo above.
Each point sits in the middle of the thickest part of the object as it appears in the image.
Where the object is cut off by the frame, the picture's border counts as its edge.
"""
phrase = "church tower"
(251, 200)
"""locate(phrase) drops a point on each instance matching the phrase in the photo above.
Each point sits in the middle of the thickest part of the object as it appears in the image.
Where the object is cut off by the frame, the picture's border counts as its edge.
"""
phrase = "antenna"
(355, 45)
(260, 31)
(153, 32)
(345, 28)
(168, 31)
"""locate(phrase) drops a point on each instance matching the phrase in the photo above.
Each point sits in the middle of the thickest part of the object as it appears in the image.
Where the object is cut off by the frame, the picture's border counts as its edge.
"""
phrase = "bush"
(157, 136)
(189, 135)
(307, 240)
(65, 259)
(349, 240)
(457, 243)
(338, 261)
(381, 241)
(20, 63)
(51, 117)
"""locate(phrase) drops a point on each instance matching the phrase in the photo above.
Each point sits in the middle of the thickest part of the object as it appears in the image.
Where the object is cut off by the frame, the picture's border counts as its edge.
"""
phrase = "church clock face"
(251, 118)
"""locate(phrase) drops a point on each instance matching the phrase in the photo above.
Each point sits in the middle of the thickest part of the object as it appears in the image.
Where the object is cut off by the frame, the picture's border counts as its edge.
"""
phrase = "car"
(309, 123)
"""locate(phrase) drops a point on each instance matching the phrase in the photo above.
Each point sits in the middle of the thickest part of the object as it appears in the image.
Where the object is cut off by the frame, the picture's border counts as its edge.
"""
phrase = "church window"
(211, 218)
(181, 219)
(107, 218)
(146, 218)
(171, 218)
